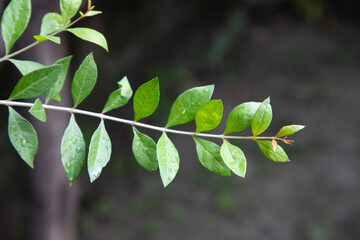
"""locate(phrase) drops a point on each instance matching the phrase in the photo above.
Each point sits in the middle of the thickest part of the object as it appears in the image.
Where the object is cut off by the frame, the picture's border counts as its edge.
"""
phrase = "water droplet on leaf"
(23, 142)
(74, 140)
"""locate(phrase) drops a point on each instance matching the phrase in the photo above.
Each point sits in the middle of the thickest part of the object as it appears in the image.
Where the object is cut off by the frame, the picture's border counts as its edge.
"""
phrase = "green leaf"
(51, 22)
(209, 116)
(262, 118)
(47, 37)
(84, 80)
(38, 111)
(289, 130)
(119, 97)
(35, 83)
(54, 91)
(23, 137)
(234, 158)
(92, 13)
(144, 149)
(168, 158)
(68, 9)
(209, 156)
(241, 117)
(99, 152)
(26, 67)
(146, 99)
(188, 103)
(14, 21)
(73, 150)
(90, 35)
(279, 155)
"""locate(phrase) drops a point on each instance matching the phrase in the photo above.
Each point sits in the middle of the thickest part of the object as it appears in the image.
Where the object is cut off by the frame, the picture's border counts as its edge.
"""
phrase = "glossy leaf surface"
(168, 158)
(14, 21)
(144, 149)
(92, 13)
(209, 116)
(99, 152)
(90, 35)
(188, 103)
(84, 80)
(262, 118)
(22, 136)
(279, 155)
(35, 83)
(146, 99)
(73, 150)
(241, 117)
(119, 97)
(51, 22)
(25, 66)
(209, 156)
(56, 88)
(234, 158)
(41, 38)
(68, 9)
(289, 130)
(38, 111)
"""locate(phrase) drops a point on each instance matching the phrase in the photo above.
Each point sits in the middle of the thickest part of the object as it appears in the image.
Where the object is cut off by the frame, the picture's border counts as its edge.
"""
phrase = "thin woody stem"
(133, 123)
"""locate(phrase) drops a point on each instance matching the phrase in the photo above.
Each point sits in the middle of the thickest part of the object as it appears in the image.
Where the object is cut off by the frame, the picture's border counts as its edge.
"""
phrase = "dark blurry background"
(305, 54)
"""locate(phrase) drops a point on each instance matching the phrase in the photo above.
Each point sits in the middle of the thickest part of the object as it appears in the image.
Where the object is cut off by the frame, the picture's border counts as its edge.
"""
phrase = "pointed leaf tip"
(146, 99)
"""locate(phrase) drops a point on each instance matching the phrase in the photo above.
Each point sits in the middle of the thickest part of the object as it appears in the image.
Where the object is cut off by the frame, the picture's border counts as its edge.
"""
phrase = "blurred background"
(305, 54)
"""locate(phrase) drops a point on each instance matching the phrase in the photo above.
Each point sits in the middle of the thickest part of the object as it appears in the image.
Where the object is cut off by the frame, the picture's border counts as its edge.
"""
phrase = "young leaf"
(90, 35)
(26, 67)
(68, 9)
(119, 97)
(188, 103)
(209, 116)
(54, 39)
(51, 22)
(38, 111)
(234, 158)
(146, 99)
(168, 158)
(99, 152)
(241, 116)
(73, 152)
(56, 88)
(84, 80)
(23, 137)
(92, 13)
(289, 130)
(278, 155)
(14, 21)
(262, 118)
(209, 156)
(144, 149)
(35, 83)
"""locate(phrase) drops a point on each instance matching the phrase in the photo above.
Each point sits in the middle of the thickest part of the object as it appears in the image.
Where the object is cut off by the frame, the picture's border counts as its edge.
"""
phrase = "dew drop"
(68, 165)
(23, 142)
(169, 170)
(13, 127)
(205, 90)
(184, 111)
(73, 140)
(169, 178)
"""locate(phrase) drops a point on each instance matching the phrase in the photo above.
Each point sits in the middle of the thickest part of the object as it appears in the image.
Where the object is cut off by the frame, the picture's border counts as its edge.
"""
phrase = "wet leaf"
(209, 156)
(188, 103)
(73, 150)
(168, 158)
(144, 149)
(99, 152)
(90, 35)
(51, 22)
(68, 9)
(289, 130)
(14, 21)
(234, 158)
(23, 137)
(25, 66)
